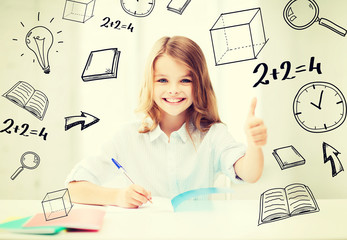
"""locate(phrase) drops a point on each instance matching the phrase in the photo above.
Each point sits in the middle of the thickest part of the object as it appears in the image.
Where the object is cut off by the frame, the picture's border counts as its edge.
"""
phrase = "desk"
(238, 220)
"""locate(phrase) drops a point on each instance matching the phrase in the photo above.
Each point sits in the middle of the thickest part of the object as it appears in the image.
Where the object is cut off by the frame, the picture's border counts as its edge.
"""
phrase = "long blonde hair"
(203, 113)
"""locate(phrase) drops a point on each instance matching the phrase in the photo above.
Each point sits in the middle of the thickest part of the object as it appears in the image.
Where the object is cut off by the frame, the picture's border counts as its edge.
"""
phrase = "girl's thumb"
(252, 108)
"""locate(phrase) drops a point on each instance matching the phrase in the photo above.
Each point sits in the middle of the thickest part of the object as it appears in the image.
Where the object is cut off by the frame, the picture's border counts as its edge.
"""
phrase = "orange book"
(79, 218)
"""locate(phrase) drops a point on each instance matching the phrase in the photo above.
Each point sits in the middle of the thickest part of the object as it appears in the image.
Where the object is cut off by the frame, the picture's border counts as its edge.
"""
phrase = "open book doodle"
(25, 96)
(280, 203)
(288, 157)
(101, 64)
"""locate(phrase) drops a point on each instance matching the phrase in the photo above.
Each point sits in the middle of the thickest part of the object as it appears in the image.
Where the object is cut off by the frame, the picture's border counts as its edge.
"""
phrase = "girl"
(180, 145)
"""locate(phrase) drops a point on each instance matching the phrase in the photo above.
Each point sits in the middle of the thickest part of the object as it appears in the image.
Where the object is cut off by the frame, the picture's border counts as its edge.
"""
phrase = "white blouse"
(166, 168)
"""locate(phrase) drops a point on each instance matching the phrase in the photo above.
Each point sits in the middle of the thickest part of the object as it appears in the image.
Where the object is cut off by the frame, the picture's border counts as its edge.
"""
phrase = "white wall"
(113, 100)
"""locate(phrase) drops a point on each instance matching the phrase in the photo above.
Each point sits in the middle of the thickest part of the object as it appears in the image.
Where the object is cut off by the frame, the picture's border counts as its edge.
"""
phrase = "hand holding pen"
(135, 195)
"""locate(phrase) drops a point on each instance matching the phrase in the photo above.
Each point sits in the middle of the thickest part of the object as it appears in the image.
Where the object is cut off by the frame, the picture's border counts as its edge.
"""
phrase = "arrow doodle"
(330, 154)
(86, 120)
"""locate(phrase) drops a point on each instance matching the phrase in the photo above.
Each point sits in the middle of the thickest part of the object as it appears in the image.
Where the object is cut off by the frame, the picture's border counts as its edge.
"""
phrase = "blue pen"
(124, 172)
(122, 169)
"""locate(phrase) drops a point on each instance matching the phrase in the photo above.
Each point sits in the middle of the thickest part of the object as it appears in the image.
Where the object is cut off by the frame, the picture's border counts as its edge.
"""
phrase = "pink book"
(78, 218)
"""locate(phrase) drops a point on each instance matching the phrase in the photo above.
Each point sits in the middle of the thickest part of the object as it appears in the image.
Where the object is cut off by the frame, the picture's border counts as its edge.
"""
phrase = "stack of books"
(84, 219)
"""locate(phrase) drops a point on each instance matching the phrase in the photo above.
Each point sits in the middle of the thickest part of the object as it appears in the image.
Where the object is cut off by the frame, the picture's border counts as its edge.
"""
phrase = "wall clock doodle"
(138, 8)
(319, 107)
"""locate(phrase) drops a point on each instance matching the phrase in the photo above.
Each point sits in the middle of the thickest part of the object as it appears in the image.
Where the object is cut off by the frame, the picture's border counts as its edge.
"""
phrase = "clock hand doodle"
(138, 8)
(331, 112)
(320, 101)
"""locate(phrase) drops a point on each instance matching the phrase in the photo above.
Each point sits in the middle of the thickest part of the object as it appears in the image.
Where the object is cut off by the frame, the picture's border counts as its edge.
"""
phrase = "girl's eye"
(163, 80)
(186, 81)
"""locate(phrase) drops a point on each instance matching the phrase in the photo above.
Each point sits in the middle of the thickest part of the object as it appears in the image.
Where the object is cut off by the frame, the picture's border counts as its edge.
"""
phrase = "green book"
(16, 226)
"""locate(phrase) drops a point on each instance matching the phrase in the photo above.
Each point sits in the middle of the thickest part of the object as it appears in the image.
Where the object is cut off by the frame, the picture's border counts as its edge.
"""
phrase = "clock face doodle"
(319, 107)
(138, 8)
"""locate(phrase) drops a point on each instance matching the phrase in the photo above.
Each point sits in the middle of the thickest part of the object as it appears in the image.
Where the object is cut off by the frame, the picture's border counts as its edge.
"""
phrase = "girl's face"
(172, 86)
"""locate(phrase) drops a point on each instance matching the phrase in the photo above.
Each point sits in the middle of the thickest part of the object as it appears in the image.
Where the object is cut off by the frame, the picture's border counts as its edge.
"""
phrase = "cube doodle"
(78, 10)
(57, 204)
(238, 36)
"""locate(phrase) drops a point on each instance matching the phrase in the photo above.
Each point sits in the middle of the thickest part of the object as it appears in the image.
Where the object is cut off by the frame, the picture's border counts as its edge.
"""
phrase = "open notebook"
(183, 202)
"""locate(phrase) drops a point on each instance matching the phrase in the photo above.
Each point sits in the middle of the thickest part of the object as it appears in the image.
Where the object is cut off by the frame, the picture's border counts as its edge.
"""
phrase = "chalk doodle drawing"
(319, 107)
(23, 129)
(238, 36)
(116, 24)
(78, 10)
(330, 154)
(287, 73)
(138, 8)
(178, 6)
(25, 96)
(280, 203)
(301, 14)
(288, 157)
(85, 119)
(101, 64)
(57, 204)
(28, 160)
(39, 40)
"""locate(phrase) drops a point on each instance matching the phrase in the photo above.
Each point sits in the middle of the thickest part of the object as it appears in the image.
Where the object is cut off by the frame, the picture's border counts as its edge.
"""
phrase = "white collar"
(157, 132)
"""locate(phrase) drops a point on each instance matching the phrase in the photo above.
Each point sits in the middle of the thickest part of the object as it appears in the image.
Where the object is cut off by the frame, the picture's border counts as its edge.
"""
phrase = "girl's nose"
(173, 89)
(173, 92)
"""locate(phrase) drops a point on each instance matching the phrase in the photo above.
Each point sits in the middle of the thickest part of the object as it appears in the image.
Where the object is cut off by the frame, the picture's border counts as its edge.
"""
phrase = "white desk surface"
(237, 220)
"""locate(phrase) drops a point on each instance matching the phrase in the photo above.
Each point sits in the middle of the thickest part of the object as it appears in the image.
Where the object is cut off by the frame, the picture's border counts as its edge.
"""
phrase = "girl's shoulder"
(127, 129)
(218, 128)
(215, 131)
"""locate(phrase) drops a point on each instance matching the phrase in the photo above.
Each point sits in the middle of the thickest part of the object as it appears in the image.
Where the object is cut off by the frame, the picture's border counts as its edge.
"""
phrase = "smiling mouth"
(174, 100)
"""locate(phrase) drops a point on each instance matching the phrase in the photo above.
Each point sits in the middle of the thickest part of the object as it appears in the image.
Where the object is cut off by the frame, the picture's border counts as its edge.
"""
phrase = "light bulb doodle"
(40, 40)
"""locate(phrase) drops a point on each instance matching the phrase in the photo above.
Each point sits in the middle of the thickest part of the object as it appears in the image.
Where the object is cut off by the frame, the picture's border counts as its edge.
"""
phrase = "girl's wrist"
(113, 197)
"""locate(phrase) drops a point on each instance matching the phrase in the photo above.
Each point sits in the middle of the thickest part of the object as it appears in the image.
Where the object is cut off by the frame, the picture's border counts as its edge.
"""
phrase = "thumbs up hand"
(255, 128)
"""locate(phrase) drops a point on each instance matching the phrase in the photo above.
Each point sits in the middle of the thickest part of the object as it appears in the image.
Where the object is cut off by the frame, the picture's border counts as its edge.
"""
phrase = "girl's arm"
(90, 193)
(250, 166)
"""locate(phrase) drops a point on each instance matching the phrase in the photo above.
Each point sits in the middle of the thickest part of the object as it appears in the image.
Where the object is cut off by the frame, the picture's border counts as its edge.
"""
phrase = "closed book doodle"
(288, 157)
(101, 64)
(178, 6)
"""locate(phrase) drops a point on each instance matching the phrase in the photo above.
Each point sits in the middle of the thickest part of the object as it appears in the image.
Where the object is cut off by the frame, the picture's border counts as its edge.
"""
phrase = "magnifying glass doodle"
(301, 14)
(28, 160)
